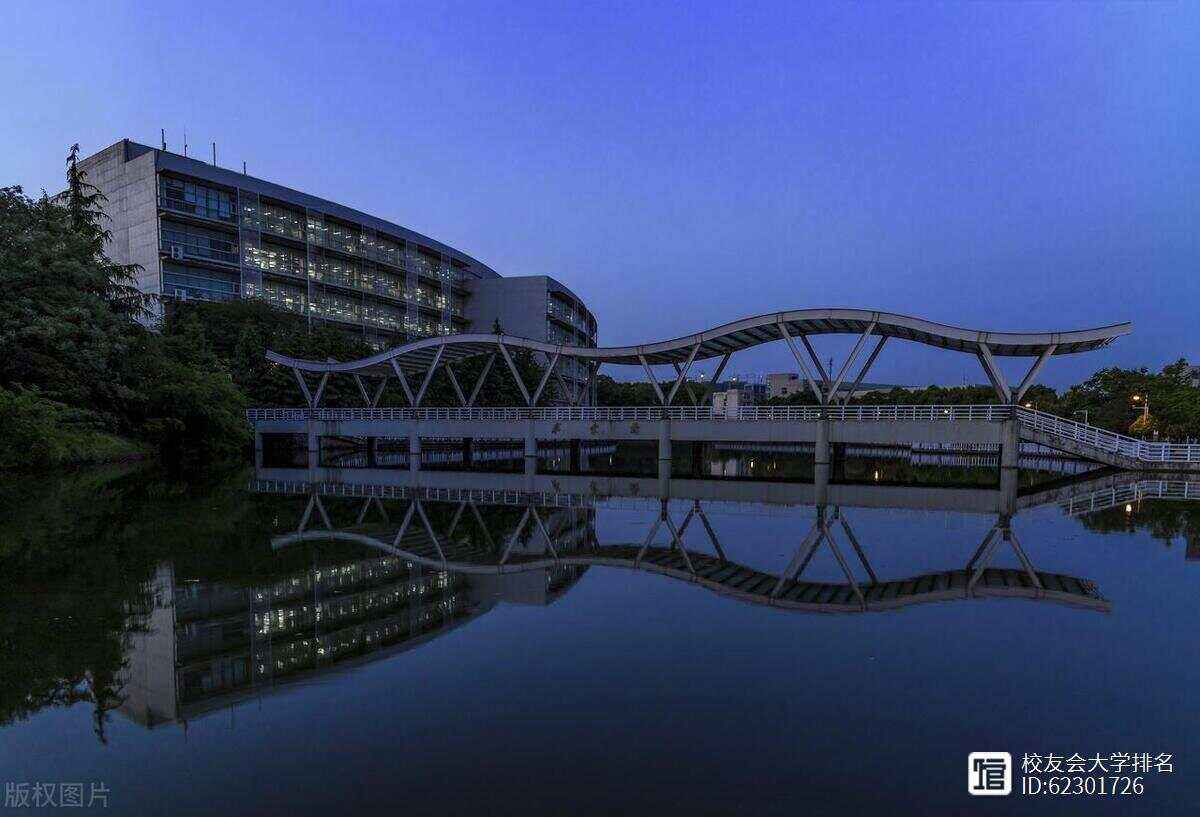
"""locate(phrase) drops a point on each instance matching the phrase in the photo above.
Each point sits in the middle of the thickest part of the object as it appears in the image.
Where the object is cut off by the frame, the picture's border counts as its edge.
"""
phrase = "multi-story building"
(749, 392)
(785, 384)
(203, 232)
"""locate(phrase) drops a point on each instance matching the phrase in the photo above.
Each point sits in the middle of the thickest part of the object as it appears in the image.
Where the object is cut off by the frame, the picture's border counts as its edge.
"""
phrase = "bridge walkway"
(855, 425)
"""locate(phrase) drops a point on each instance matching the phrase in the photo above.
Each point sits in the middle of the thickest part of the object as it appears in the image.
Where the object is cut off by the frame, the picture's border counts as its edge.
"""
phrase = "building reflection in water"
(437, 549)
(206, 645)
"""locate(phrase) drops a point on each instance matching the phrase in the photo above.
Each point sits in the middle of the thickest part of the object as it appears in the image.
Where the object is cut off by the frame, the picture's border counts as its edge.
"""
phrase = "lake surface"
(314, 642)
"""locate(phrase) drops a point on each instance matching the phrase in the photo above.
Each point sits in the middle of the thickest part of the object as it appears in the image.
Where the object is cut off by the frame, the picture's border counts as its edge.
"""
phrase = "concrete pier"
(1010, 445)
(664, 448)
(414, 452)
(530, 449)
(314, 446)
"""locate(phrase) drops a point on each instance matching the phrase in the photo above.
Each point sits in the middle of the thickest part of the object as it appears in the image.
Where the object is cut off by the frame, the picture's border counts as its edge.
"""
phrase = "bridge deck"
(882, 425)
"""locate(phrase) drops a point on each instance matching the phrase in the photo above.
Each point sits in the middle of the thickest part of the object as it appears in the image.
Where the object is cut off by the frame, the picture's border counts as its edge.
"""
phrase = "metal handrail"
(1107, 440)
(793, 414)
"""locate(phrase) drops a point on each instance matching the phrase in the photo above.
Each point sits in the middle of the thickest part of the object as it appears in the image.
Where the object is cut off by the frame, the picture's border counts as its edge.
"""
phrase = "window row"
(349, 274)
(186, 240)
(352, 240)
(333, 306)
(564, 337)
(196, 199)
(192, 283)
(563, 312)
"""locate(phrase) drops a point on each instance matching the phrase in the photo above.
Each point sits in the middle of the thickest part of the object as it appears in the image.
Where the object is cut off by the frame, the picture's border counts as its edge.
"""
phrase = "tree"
(1108, 397)
(69, 333)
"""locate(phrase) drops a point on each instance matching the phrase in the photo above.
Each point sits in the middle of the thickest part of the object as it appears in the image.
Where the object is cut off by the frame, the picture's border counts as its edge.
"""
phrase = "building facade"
(786, 384)
(203, 232)
(749, 392)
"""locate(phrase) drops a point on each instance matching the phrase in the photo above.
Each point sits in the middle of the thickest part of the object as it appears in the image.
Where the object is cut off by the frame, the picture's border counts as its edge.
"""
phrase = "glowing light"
(1128, 509)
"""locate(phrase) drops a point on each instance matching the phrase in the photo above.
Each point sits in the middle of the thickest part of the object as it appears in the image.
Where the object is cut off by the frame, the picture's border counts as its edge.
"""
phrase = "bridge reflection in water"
(407, 558)
(532, 540)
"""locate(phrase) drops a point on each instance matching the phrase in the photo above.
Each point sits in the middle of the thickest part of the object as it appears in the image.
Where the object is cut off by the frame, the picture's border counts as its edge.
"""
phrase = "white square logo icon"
(989, 774)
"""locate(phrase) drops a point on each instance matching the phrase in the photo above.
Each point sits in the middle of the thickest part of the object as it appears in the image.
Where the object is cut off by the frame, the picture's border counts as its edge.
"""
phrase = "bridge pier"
(314, 446)
(530, 449)
(468, 451)
(821, 457)
(664, 447)
(837, 461)
(414, 451)
(258, 449)
(372, 452)
(1010, 446)
(574, 457)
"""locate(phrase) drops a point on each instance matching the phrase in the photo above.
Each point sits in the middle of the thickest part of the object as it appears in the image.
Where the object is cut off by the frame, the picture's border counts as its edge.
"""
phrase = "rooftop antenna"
(214, 144)
(185, 141)
(163, 133)
(243, 167)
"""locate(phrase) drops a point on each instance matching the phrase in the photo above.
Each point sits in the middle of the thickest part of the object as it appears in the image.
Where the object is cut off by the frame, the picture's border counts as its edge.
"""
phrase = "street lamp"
(1144, 402)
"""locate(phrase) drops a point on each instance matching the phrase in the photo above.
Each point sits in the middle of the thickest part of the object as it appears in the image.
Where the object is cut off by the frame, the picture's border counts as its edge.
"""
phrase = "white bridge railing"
(1105, 498)
(791, 414)
(1040, 421)
(1130, 447)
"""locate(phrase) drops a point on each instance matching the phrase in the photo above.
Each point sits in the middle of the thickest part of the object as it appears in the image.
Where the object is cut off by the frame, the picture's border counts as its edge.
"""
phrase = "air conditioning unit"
(176, 252)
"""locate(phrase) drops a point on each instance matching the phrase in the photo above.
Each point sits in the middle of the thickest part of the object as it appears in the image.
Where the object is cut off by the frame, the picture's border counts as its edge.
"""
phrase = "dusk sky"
(1009, 166)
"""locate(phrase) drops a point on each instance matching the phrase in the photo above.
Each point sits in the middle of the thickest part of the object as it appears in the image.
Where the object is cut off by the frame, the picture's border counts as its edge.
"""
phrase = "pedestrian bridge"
(854, 425)
(827, 424)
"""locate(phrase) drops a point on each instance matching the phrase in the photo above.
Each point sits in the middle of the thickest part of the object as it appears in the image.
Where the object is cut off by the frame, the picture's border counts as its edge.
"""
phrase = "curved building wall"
(204, 232)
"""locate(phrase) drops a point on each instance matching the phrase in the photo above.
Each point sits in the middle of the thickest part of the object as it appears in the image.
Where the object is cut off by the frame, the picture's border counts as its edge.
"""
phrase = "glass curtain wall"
(250, 237)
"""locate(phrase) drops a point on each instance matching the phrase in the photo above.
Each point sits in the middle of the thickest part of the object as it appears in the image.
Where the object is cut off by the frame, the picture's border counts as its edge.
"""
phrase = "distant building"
(726, 403)
(785, 384)
(749, 392)
(1194, 376)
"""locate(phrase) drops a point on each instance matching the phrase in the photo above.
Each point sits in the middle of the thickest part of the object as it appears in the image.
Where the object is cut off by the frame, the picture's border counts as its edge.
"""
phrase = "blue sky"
(1001, 166)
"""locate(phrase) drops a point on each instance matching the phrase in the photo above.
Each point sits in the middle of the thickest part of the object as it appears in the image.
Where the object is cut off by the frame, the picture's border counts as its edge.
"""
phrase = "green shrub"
(39, 433)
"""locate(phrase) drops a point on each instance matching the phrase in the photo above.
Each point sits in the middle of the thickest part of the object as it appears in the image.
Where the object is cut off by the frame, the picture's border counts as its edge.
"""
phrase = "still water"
(351, 639)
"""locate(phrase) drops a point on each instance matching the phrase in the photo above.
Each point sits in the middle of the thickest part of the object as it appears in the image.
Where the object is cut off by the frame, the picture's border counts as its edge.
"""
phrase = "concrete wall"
(518, 303)
(125, 174)
(784, 384)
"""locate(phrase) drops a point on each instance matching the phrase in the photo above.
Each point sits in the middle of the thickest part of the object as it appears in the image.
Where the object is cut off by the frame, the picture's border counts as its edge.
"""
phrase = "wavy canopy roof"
(733, 337)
